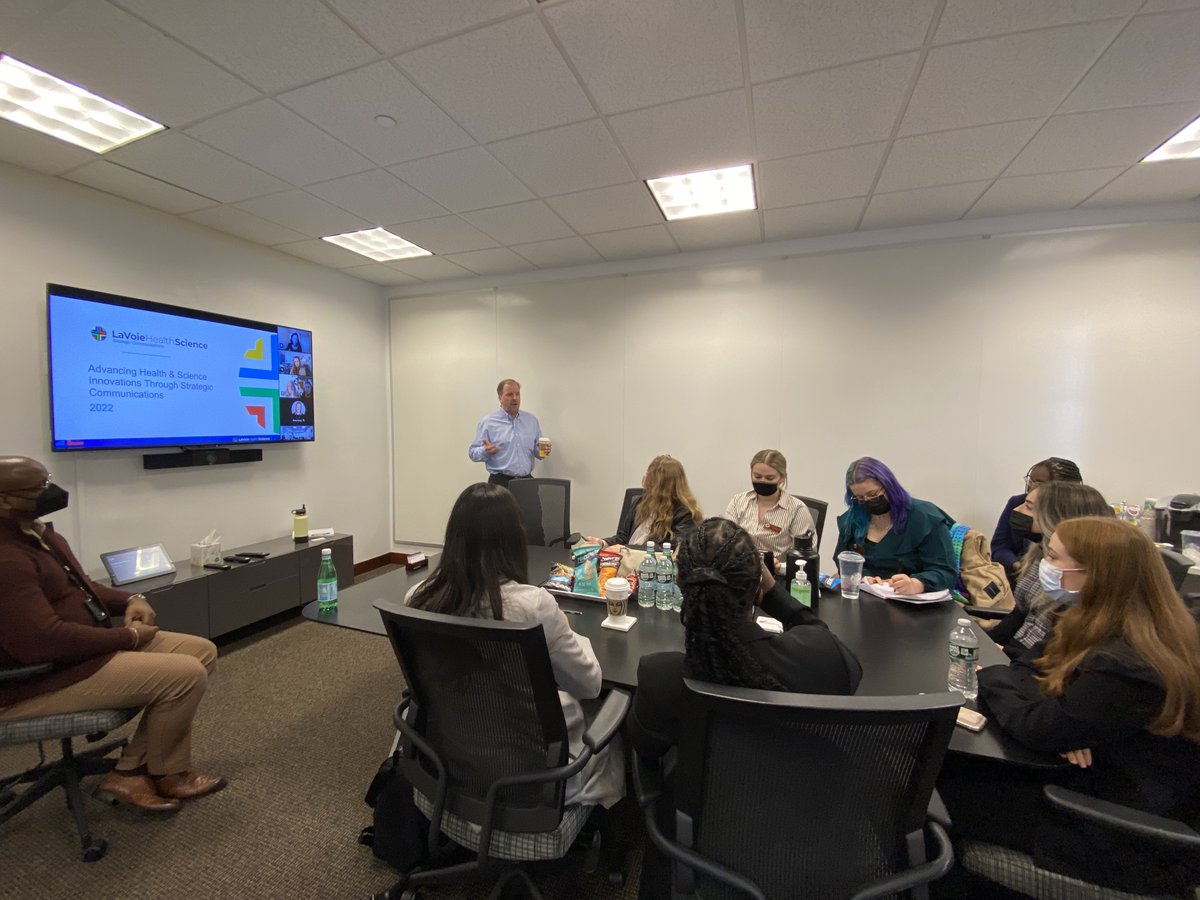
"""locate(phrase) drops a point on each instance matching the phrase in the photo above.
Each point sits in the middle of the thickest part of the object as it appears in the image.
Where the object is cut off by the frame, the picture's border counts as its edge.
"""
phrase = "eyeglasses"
(1030, 484)
(867, 498)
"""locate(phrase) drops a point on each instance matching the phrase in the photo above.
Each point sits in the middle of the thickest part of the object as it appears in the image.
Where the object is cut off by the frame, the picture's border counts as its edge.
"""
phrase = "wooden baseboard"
(378, 562)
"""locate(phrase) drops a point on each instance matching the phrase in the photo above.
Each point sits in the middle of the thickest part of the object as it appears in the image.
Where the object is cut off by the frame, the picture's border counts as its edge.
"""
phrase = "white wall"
(958, 363)
(58, 232)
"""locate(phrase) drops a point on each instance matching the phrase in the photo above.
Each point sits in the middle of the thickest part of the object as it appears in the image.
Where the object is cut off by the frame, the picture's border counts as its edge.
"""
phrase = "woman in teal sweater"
(906, 541)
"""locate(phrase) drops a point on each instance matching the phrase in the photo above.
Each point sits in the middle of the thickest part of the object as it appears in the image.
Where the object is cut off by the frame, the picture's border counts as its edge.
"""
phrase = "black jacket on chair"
(682, 525)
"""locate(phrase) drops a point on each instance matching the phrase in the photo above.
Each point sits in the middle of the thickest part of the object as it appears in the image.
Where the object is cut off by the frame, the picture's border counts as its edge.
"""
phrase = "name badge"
(774, 529)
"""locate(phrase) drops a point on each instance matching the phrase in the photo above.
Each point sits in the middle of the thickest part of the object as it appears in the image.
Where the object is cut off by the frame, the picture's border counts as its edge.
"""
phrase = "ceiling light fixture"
(705, 193)
(377, 243)
(40, 101)
(1184, 145)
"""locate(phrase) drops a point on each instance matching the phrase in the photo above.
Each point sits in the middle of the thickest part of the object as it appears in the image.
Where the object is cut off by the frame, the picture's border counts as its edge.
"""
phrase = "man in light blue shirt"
(507, 440)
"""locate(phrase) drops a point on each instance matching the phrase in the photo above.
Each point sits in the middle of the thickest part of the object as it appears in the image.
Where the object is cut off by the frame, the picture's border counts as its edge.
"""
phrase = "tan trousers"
(167, 676)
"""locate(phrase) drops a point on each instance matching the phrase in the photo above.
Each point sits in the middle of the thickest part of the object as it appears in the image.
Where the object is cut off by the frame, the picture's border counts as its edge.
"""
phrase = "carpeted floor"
(298, 718)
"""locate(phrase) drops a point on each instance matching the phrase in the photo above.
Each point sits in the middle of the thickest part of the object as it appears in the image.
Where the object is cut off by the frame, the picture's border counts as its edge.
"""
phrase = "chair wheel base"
(106, 797)
(94, 851)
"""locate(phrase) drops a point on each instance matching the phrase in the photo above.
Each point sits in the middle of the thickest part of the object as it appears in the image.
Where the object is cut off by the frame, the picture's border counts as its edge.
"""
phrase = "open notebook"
(882, 590)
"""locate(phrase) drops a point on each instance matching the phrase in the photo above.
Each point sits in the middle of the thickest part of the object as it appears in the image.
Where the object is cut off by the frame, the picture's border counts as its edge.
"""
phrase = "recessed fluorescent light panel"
(1185, 145)
(705, 193)
(38, 100)
(378, 243)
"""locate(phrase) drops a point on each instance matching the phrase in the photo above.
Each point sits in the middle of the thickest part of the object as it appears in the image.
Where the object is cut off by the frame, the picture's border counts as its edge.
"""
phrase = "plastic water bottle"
(964, 657)
(327, 581)
(648, 578)
(665, 573)
(1148, 520)
(801, 589)
(676, 598)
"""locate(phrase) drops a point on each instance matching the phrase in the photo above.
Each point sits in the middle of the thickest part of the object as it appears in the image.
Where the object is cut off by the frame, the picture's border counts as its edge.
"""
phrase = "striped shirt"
(787, 520)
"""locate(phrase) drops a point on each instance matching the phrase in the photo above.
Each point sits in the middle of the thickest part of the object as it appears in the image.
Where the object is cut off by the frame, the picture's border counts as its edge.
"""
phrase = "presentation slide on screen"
(122, 376)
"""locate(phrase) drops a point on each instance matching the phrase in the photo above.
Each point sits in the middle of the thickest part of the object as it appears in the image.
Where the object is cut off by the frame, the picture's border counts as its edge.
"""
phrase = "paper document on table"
(883, 590)
(767, 623)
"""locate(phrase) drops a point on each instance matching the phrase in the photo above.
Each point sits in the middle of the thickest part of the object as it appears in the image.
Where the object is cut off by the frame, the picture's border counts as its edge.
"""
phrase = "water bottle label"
(327, 592)
(970, 654)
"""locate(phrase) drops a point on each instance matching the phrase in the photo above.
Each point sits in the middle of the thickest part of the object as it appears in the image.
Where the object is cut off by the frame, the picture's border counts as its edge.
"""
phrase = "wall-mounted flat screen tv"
(133, 373)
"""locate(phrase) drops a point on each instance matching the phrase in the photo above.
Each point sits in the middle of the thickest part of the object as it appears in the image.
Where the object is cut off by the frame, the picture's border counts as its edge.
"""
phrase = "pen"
(572, 612)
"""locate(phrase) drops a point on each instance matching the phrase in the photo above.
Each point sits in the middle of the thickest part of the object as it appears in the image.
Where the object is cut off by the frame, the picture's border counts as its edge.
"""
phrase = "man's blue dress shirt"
(517, 439)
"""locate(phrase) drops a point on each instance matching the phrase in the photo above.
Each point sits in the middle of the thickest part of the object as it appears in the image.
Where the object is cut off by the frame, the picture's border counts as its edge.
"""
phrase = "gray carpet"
(298, 718)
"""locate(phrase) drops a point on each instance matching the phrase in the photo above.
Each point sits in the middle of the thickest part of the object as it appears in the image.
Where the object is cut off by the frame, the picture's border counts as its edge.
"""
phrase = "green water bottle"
(327, 581)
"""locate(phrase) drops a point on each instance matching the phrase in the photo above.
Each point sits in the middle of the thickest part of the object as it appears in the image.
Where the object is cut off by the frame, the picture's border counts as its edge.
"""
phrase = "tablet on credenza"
(137, 563)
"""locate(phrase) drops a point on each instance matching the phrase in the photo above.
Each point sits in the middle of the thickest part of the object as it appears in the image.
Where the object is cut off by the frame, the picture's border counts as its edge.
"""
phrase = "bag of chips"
(609, 564)
(562, 577)
(586, 575)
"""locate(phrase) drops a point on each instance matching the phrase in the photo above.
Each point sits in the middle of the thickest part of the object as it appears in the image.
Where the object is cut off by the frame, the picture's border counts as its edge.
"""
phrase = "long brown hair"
(1127, 594)
(666, 486)
(1058, 501)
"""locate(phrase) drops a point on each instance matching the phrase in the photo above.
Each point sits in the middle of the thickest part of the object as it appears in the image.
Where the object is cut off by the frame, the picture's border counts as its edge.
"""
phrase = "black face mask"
(50, 500)
(876, 506)
(764, 488)
(1020, 523)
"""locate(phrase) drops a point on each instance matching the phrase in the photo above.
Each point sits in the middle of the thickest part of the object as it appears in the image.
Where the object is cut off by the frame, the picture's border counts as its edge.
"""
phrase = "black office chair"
(546, 510)
(632, 496)
(485, 746)
(801, 795)
(1172, 841)
(817, 508)
(67, 771)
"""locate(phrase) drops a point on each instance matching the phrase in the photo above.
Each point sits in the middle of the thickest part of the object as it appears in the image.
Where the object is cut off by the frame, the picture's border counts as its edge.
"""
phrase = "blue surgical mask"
(1050, 577)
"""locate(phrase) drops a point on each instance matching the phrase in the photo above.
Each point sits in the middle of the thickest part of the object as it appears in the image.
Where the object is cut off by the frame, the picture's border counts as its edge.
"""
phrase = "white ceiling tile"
(520, 223)
(785, 37)
(572, 158)
(445, 234)
(1041, 193)
(1092, 140)
(920, 207)
(518, 80)
(706, 232)
(572, 251)
(378, 197)
(608, 208)
(377, 273)
(631, 53)
(949, 157)
(831, 175)
(1156, 182)
(272, 137)
(687, 136)
(1153, 6)
(274, 44)
(497, 261)
(176, 158)
(111, 53)
(17, 17)
(131, 185)
(324, 253)
(1153, 61)
(964, 20)
(463, 180)
(835, 108)
(307, 214)
(430, 268)
(242, 224)
(40, 152)
(813, 219)
(1000, 79)
(420, 21)
(634, 243)
(346, 105)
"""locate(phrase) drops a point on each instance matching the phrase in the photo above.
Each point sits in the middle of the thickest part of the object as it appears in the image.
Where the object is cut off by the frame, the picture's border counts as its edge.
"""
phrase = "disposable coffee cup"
(850, 568)
(543, 447)
(616, 595)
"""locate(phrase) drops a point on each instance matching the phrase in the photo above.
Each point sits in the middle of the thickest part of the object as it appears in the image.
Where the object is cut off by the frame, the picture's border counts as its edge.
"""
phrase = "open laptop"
(137, 563)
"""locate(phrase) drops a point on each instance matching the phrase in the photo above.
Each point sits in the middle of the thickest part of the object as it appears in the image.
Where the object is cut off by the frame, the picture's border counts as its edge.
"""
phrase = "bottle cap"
(964, 621)
(666, 545)
(326, 551)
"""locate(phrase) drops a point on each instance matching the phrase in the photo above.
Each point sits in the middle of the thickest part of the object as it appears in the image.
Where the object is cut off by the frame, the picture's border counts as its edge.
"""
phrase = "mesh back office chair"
(546, 510)
(67, 771)
(817, 508)
(485, 746)
(632, 496)
(801, 795)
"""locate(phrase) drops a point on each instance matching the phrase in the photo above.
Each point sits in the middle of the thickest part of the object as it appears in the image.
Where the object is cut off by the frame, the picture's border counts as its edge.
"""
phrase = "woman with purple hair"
(906, 541)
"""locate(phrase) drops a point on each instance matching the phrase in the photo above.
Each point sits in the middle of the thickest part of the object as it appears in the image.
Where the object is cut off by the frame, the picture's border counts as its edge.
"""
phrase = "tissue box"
(202, 554)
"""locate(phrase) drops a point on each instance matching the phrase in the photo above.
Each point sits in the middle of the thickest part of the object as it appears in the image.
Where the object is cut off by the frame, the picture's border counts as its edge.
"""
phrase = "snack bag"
(586, 577)
(609, 563)
(562, 577)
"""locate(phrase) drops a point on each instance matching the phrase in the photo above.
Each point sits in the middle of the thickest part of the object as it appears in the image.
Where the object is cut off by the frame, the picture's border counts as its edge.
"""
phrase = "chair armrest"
(647, 780)
(984, 612)
(608, 720)
(1170, 832)
(936, 811)
(24, 673)
(917, 875)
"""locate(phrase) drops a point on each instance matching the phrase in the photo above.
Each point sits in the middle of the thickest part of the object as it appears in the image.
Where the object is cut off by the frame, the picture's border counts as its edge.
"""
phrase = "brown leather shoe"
(189, 785)
(136, 791)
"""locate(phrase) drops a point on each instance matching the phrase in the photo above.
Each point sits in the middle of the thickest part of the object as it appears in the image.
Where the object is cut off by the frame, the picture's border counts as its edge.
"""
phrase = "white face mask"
(1050, 577)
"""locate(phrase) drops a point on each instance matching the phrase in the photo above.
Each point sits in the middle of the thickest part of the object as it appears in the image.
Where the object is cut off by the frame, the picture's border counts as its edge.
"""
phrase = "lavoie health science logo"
(98, 333)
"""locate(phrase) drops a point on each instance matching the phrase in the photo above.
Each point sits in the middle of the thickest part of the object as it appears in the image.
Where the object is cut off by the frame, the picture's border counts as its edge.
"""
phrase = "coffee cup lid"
(616, 585)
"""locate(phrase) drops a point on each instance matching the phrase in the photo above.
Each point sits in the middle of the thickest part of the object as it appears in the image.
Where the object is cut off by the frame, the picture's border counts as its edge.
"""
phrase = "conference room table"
(902, 647)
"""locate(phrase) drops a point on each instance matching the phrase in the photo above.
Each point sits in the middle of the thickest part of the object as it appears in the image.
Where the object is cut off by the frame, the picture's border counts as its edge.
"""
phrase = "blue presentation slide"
(123, 376)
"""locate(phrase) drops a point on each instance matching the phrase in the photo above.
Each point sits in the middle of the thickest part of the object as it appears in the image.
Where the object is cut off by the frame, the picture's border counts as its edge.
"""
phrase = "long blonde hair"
(1058, 501)
(1128, 595)
(666, 487)
(772, 458)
